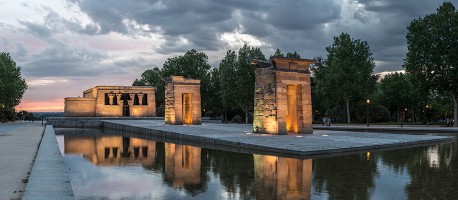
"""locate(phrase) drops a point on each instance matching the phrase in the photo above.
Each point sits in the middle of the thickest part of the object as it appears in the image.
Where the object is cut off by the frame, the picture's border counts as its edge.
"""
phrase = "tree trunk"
(245, 110)
(347, 101)
(455, 110)
(413, 114)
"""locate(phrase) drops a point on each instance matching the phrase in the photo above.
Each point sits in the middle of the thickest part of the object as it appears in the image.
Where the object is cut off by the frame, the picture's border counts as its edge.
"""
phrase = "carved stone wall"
(176, 88)
(113, 101)
(79, 107)
(271, 96)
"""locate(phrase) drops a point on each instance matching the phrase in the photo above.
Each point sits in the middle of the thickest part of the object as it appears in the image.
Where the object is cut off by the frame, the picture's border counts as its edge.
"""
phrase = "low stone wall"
(89, 122)
(79, 106)
(49, 178)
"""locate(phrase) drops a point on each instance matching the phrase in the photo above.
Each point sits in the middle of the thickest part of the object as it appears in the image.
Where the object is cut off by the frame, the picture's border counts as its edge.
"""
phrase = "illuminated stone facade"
(112, 150)
(282, 99)
(182, 101)
(113, 101)
(282, 178)
(182, 165)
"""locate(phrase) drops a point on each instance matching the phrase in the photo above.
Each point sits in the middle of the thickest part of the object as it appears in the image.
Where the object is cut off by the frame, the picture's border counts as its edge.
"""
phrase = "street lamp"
(367, 111)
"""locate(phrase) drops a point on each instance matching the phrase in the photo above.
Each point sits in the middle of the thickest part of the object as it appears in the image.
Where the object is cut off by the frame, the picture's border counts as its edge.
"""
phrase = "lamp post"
(367, 111)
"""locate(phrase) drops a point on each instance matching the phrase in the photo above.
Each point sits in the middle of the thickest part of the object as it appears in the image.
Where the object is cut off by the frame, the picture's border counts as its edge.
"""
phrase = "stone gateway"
(282, 99)
(182, 101)
(113, 101)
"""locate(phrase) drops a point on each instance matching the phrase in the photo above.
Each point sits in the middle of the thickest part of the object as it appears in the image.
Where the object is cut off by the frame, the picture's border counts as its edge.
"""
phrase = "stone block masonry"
(282, 99)
(182, 101)
(113, 101)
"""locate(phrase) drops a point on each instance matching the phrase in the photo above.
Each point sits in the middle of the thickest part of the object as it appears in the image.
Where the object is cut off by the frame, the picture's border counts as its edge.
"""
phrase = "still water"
(121, 166)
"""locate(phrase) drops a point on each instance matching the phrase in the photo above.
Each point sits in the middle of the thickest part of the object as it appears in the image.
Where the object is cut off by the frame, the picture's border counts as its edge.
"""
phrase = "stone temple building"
(182, 101)
(282, 99)
(113, 101)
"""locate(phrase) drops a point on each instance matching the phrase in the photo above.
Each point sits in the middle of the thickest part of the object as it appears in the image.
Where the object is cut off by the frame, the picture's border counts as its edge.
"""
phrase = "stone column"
(130, 102)
(118, 98)
(110, 97)
(140, 99)
(132, 97)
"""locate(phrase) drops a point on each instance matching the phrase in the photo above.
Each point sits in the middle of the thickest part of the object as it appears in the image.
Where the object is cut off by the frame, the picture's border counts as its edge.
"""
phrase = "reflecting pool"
(105, 165)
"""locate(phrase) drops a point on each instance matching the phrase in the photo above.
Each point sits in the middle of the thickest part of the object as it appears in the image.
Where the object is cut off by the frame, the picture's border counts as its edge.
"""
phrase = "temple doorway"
(125, 109)
(291, 115)
(187, 108)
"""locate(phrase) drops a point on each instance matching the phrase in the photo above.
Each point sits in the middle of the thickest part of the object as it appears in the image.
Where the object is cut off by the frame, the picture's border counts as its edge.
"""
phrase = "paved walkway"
(388, 128)
(49, 179)
(241, 136)
(18, 146)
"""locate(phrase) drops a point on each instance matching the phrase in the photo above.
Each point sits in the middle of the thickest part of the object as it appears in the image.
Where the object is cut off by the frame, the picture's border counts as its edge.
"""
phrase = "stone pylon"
(282, 99)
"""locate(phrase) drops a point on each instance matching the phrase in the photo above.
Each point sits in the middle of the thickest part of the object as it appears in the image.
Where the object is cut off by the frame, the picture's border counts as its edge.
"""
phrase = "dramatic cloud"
(65, 47)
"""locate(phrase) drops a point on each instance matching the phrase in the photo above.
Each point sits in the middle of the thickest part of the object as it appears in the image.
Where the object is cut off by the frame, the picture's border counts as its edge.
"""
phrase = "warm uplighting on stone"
(282, 178)
(113, 101)
(182, 164)
(282, 103)
(182, 101)
(112, 150)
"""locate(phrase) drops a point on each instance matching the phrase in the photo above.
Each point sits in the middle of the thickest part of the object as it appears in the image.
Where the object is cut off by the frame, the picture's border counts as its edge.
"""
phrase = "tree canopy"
(396, 92)
(347, 73)
(12, 85)
(237, 78)
(432, 44)
(192, 64)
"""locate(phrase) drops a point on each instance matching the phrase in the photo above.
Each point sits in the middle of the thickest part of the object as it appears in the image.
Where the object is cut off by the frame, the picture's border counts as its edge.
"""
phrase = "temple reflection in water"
(112, 150)
(282, 178)
(182, 165)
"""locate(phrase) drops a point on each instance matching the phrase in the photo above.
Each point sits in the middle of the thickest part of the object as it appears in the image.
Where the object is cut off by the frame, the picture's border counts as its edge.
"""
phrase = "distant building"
(113, 101)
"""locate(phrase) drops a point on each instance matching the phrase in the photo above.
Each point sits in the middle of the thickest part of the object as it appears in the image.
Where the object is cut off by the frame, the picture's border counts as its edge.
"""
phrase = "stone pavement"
(18, 146)
(49, 179)
(240, 136)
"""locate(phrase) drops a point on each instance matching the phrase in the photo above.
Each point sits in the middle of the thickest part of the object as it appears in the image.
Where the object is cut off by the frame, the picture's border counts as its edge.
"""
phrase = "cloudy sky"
(67, 46)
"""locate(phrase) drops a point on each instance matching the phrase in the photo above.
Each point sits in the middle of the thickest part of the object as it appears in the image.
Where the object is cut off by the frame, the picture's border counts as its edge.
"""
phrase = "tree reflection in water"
(428, 172)
(348, 177)
(433, 170)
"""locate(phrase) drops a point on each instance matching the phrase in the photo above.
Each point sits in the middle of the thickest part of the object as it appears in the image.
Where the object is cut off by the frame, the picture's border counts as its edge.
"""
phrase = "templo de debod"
(282, 99)
(182, 101)
(113, 101)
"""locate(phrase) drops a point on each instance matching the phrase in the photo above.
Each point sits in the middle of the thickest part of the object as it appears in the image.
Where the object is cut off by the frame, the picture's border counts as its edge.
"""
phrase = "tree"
(12, 85)
(278, 53)
(432, 48)
(214, 104)
(154, 77)
(396, 92)
(25, 115)
(293, 55)
(228, 79)
(237, 79)
(347, 73)
(192, 64)
(245, 78)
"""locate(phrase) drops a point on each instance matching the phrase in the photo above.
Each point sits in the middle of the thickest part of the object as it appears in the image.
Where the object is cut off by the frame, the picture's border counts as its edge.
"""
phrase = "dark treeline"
(344, 86)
